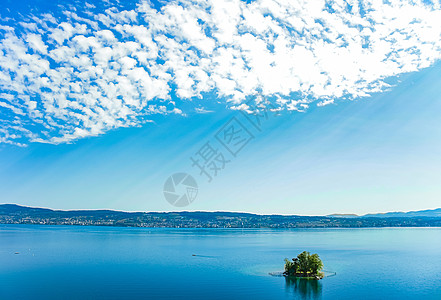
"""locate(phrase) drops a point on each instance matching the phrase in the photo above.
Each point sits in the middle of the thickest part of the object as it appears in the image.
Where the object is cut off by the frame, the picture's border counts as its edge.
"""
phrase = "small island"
(305, 265)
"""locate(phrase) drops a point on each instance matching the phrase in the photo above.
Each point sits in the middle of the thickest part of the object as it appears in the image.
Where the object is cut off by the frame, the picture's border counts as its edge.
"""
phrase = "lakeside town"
(14, 214)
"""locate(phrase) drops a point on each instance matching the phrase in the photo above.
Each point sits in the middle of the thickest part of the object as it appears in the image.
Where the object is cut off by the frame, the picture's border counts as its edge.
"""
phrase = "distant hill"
(430, 213)
(16, 214)
(344, 215)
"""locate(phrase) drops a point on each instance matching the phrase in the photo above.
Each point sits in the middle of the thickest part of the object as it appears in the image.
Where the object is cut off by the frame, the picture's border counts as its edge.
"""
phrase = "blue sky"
(100, 103)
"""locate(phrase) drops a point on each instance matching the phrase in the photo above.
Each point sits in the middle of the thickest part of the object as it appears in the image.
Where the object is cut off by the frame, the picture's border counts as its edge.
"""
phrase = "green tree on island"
(304, 265)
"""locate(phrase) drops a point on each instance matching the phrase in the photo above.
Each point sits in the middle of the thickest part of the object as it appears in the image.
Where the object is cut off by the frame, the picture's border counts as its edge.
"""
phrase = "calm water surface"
(68, 262)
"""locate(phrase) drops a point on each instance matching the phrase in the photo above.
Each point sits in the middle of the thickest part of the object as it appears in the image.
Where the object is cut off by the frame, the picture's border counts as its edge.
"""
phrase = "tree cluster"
(304, 265)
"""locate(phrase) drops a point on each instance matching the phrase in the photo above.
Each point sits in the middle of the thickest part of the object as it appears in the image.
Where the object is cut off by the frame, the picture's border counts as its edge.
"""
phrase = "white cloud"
(90, 70)
(325, 102)
(201, 110)
(36, 43)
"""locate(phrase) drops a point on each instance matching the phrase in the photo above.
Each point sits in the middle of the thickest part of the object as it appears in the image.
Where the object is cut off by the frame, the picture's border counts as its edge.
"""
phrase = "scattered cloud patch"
(201, 110)
(88, 69)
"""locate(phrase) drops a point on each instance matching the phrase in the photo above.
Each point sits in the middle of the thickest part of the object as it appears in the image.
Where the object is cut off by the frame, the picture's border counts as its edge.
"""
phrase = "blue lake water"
(69, 262)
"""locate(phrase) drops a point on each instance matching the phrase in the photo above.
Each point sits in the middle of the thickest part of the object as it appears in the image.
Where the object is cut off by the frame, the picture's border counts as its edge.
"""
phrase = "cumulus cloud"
(87, 70)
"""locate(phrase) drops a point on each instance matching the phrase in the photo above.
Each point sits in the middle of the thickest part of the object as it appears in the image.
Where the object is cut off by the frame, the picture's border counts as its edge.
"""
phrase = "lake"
(73, 262)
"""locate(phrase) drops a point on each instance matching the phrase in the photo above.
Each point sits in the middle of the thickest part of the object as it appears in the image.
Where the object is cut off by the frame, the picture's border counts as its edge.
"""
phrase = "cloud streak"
(87, 70)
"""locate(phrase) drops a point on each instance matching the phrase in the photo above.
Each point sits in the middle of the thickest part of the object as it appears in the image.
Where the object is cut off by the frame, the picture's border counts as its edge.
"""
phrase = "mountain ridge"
(418, 213)
(16, 214)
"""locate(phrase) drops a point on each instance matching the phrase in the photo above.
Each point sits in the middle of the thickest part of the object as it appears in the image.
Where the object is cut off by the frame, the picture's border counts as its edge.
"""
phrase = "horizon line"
(221, 211)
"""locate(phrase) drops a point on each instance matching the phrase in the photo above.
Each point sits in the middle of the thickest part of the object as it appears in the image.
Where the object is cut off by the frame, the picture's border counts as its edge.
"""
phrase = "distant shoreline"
(15, 214)
(221, 228)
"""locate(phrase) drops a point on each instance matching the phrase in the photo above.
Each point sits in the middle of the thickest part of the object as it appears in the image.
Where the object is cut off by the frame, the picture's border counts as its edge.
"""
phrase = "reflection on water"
(304, 288)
